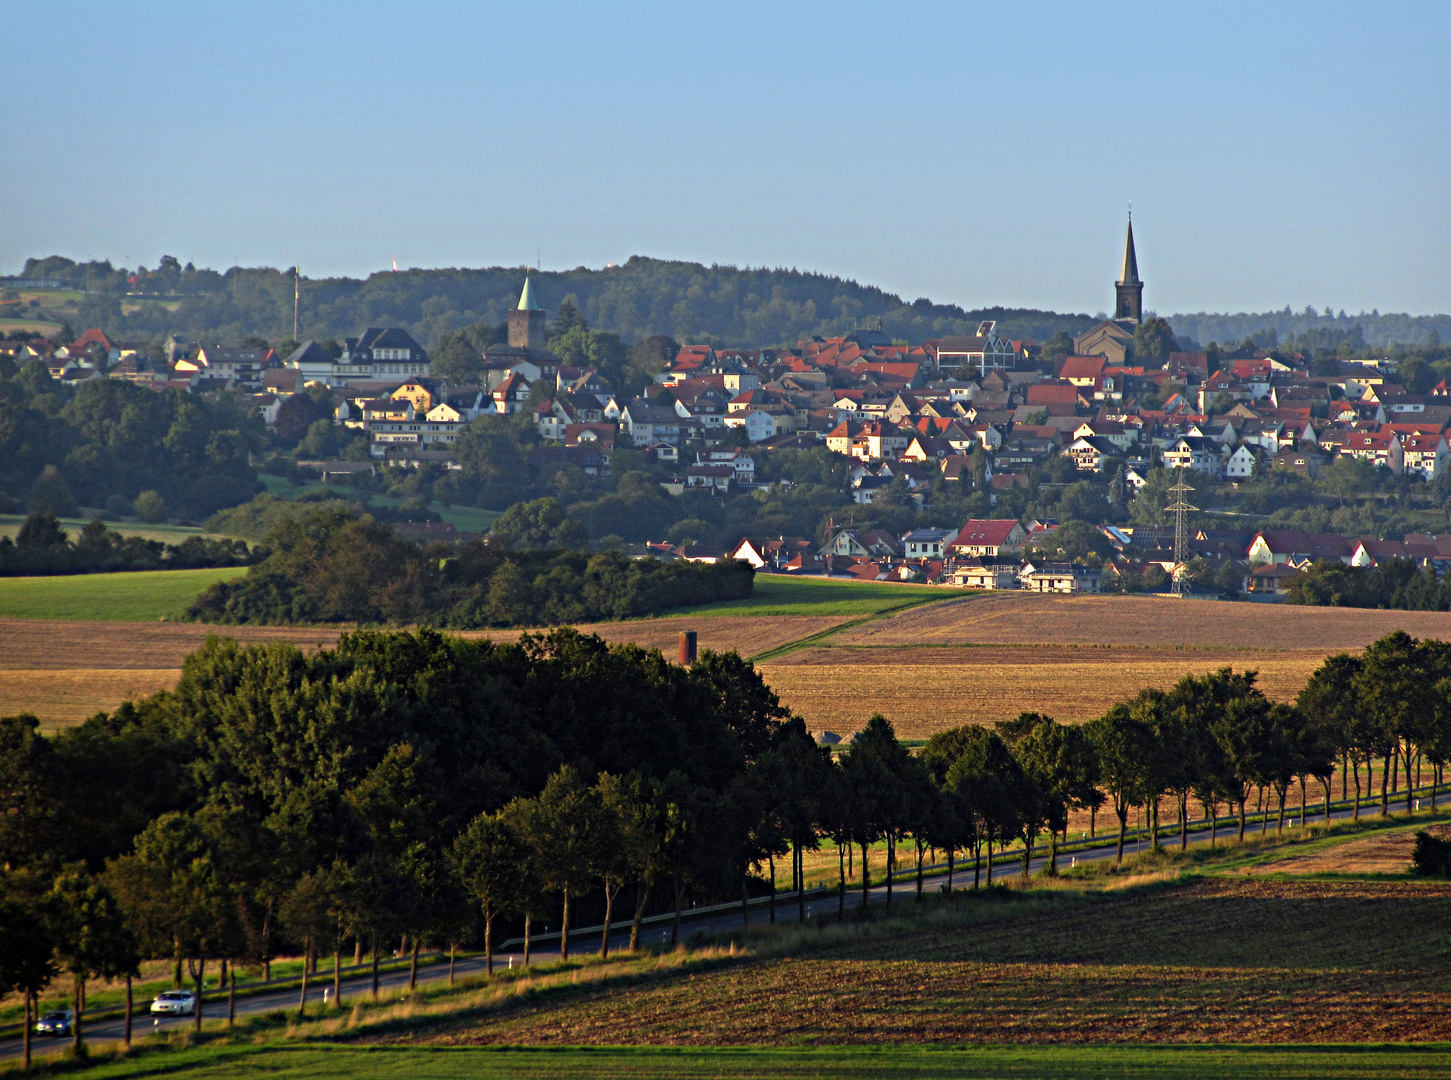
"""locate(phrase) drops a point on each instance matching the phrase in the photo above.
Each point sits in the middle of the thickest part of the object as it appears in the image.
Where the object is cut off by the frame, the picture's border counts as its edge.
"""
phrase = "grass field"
(775, 594)
(141, 596)
(290, 1062)
(167, 534)
(465, 518)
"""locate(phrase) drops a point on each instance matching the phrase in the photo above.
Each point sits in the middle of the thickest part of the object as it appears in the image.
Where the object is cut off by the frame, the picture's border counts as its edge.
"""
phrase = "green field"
(34, 326)
(143, 596)
(167, 534)
(776, 594)
(465, 518)
(855, 1063)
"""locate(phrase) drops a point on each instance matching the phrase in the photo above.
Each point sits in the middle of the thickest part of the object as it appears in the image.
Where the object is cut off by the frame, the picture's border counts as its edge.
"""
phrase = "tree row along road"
(718, 921)
(421, 787)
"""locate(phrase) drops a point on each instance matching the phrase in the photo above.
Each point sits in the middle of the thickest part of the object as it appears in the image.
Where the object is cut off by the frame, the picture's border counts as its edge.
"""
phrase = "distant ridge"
(717, 304)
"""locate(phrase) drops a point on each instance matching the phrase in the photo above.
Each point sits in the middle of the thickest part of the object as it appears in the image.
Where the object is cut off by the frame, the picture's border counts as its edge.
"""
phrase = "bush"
(150, 507)
(1432, 856)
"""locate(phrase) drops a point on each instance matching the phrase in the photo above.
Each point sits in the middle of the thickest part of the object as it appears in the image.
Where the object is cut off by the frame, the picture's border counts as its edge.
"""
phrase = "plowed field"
(1248, 961)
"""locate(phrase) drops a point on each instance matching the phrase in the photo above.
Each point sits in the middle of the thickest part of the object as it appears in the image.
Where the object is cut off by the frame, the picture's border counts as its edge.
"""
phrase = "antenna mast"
(296, 297)
(1180, 509)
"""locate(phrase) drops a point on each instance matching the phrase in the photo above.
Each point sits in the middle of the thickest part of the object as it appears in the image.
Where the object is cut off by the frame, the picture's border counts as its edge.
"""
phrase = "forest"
(331, 565)
(643, 297)
(109, 444)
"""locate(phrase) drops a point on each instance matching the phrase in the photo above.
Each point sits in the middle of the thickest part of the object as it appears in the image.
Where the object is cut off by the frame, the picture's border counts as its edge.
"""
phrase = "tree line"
(42, 547)
(414, 789)
(332, 565)
(107, 442)
(1398, 584)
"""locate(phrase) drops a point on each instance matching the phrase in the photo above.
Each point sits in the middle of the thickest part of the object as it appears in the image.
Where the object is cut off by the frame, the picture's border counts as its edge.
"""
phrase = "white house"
(759, 424)
(1241, 464)
(1199, 454)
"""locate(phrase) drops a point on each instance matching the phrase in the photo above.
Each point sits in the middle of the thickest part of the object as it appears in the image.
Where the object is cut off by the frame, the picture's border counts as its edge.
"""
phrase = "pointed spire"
(526, 298)
(1130, 275)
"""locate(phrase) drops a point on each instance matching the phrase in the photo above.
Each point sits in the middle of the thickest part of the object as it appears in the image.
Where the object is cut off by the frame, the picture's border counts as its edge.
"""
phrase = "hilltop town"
(974, 460)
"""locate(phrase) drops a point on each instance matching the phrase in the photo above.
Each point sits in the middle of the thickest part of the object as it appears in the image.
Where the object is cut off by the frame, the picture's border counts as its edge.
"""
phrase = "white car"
(175, 1003)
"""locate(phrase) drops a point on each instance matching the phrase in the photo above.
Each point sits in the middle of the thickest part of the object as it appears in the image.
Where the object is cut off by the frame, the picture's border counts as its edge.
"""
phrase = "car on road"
(54, 1023)
(174, 1003)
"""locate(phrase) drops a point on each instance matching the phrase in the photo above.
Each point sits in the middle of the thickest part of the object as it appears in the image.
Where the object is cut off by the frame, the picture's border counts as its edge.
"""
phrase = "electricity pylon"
(1180, 509)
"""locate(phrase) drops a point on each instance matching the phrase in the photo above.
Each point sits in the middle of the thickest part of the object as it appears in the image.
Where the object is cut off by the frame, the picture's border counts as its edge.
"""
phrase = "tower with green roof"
(526, 322)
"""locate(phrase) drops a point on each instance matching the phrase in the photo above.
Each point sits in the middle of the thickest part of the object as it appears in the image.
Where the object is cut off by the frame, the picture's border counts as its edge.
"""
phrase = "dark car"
(54, 1023)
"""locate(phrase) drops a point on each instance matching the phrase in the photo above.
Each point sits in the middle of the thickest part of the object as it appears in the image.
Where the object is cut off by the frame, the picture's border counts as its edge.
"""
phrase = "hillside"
(723, 305)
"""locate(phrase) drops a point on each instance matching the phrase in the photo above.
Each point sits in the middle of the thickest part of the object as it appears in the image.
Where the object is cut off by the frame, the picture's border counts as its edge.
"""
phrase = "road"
(718, 923)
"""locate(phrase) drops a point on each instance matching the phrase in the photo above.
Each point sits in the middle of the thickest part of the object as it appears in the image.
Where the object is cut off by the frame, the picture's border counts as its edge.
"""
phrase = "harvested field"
(64, 698)
(1148, 622)
(1386, 854)
(1247, 961)
(748, 635)
(65, 671)
(64, 645)
(923, 691)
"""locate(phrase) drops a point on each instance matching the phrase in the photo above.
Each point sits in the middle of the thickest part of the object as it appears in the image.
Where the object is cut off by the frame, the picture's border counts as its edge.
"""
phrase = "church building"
(525, 353)
(1113, 338)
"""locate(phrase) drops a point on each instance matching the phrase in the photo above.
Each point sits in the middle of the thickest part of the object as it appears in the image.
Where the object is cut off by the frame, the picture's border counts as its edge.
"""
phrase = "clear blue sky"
(1275, 153)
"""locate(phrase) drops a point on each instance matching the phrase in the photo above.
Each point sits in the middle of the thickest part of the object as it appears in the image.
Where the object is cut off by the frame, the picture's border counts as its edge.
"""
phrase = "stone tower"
(526, 322)
(1130, 303)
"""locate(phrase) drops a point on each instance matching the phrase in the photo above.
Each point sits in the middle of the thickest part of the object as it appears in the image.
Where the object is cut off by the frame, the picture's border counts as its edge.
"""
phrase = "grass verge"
(1230, 1062)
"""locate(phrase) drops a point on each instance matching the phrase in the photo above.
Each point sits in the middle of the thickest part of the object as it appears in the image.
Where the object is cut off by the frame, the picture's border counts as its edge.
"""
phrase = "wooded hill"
(723, 305)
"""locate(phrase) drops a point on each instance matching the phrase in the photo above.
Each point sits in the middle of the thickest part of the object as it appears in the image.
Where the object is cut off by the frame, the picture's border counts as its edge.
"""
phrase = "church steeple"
(1130, 290)
(1130, 275)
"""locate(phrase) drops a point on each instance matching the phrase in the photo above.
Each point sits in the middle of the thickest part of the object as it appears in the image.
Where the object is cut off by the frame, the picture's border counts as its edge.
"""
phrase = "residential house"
(759, 424)
(1302, 462)
(716, 477)
(1377, 447)
(1240, 465)
(1060, 578)
(1423, 455)
(853, 543)
(511, 395)
(982, 574)
(1293, 546)
(988, 538)
(765, 552)
(1201, 454)
(647, 423)
(927, 543)
(1093, 453)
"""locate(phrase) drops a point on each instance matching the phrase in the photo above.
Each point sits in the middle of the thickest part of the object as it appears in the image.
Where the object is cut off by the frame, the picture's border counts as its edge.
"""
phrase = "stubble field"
(1213, 961)
(836, 652)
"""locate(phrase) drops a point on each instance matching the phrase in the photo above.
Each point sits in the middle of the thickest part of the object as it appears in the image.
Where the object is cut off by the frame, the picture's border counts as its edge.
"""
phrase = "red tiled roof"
(991, 531)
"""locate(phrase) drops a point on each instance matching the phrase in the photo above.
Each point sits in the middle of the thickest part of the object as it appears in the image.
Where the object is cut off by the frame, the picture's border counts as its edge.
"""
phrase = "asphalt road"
(718, 923)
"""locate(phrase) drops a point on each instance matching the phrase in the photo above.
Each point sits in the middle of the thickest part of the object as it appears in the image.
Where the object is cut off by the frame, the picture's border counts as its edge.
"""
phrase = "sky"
(1285, 153)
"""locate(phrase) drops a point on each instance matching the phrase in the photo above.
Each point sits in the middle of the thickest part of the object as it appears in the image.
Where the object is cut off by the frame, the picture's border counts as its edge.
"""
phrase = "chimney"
(687, 647)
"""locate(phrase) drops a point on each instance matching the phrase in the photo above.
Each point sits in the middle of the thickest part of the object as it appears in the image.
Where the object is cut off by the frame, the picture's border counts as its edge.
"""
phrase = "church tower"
(1130, 303)
(526, 322)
